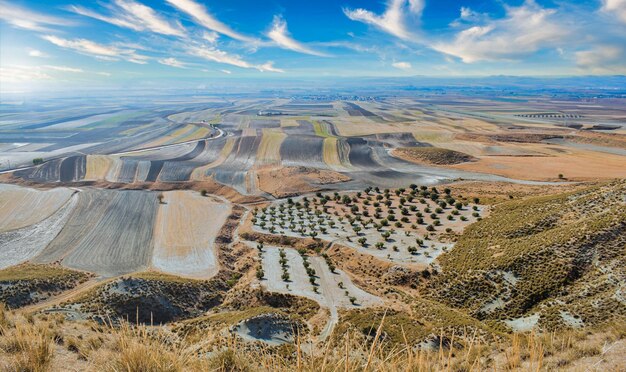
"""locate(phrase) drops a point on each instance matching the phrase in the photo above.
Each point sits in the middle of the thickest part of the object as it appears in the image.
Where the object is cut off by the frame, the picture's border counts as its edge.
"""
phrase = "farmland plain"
(256, 216)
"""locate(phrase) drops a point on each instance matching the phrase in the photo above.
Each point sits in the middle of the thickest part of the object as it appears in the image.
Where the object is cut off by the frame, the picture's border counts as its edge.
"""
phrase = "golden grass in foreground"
(49, 343)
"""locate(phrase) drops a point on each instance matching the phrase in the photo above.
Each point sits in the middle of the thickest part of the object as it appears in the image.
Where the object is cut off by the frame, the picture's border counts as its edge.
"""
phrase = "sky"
(82, 43)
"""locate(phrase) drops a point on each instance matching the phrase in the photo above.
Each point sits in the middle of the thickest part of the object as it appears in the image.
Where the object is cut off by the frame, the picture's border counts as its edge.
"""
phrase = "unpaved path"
(64, 296)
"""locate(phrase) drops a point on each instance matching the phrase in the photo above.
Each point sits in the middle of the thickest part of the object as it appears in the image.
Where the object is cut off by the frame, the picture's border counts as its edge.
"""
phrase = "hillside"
(561, 257)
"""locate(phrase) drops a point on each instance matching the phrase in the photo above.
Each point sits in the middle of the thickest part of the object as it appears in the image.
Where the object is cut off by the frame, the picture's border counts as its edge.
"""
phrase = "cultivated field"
(287, 224)
(186, 227)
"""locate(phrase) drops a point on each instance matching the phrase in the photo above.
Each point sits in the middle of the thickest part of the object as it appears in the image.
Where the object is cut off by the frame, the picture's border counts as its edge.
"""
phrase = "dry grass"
(46, 343)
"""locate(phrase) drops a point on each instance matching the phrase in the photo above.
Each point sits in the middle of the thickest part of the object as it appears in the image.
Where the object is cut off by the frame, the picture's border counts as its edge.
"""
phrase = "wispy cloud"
(64, 68)
(173, 62)
(280, 35)
(227, 72)
(200, 14)
(525, 30)
(393, 20)
(101, 51)
(220, 56)
(26, 19)
(135, 16)
(402, 65)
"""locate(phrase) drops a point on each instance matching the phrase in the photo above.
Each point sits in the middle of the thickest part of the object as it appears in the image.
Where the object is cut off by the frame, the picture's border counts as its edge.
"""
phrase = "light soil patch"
(19, 245)
(98, 167)
(21, 206)
(329, 292)
(578, 165)
(523, 324)
(249, 132)
(186, 228)
(269, 148)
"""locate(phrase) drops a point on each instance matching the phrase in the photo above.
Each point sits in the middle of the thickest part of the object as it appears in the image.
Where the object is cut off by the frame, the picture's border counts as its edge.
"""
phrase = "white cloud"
(103, 73)
(135, 16)
(199, 13)
(23, 18)
(616, 7)
(100, 51)
(64, 68)
(216, 55)
(227, 72)
(18, 74)
(173, 62)
(393, 20)
(525, 29)
(280, 35)
(602, 59)
(37, 53)
(268, 66)
(402, 65)
(211, 36)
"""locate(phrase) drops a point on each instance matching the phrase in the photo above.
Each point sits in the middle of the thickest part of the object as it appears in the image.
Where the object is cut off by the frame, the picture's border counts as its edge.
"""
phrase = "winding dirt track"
(65, 296)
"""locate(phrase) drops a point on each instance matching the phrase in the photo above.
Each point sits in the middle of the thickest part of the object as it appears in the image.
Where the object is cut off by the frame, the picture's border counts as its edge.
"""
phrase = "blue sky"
(67, 42)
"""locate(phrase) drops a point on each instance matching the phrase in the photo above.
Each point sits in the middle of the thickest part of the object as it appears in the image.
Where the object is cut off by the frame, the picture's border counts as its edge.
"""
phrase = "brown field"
(576, 166)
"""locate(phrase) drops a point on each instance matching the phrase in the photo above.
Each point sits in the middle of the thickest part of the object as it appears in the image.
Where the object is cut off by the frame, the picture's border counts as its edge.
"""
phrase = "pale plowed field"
(186, 228)
(21, 206)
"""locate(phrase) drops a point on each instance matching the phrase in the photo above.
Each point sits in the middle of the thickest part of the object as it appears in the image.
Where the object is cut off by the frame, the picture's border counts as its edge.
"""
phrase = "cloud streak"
(172, 62)
(94, 49)
(201, 16)
(280, 35)
(220, 56)
(25, 19)
(135, 16)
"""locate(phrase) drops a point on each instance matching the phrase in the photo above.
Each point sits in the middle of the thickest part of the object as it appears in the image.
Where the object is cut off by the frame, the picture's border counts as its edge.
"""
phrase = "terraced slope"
(186, 228)
(556, 260)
